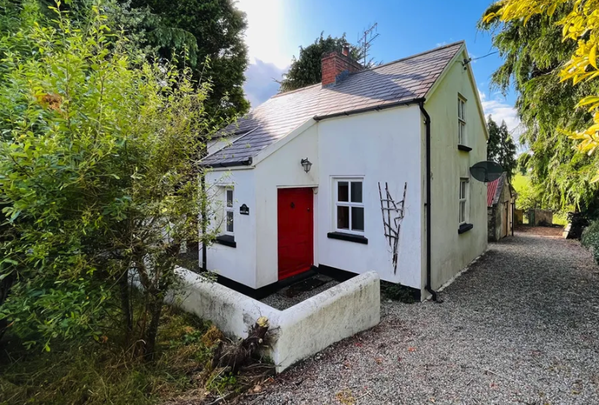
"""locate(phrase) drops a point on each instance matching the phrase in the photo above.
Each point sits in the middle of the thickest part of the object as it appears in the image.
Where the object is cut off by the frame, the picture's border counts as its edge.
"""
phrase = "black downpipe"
(427, 123)
(204, 227)
(513, 215)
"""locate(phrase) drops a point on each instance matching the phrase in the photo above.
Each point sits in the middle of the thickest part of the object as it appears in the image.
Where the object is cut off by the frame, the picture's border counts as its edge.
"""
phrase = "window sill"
(464, 228)
(226, 240)
(464, 148)
(347, 237)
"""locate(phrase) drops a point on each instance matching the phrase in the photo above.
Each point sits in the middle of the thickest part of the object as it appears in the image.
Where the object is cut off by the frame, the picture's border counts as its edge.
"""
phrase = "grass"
(93, 373)
(560, 218)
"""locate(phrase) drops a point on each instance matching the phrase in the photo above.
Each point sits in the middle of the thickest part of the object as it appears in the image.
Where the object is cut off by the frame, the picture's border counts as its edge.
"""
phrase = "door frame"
(315, 217)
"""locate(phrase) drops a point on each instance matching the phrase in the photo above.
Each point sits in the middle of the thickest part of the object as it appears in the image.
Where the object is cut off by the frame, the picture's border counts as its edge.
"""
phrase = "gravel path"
(519, 328)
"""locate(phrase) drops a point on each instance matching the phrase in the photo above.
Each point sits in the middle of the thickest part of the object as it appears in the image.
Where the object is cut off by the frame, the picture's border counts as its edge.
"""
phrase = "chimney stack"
(335, 66)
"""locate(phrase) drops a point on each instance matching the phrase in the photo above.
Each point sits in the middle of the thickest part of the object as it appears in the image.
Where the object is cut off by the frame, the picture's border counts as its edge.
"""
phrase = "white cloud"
(260, 82)
(269, 54)
(500, 110)
(265, 33)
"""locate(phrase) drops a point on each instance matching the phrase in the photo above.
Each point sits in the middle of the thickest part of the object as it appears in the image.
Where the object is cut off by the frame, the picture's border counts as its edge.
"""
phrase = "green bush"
(590, 239)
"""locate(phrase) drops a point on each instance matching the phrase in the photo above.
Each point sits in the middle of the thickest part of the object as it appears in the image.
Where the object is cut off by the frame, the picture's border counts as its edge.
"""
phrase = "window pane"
(229, 198)
(356, 191)
(229, 221)
(462, 211)
(343, 217)
(342, 191)
(357, 218)
(462, 189)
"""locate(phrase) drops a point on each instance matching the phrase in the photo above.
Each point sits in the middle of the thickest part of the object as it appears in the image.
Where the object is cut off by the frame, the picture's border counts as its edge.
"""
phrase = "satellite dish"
(486, 171)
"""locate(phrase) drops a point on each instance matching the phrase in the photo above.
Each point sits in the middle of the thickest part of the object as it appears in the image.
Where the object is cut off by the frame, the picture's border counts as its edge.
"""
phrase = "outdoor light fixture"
(306, 164)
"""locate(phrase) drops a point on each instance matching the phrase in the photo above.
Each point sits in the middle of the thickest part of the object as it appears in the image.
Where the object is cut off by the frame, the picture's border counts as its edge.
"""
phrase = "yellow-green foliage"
(527, 196)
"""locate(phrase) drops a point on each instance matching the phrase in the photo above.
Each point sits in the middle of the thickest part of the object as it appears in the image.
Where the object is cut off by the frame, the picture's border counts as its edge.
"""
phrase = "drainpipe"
(429, 230)
(203, 213)
(513, 216)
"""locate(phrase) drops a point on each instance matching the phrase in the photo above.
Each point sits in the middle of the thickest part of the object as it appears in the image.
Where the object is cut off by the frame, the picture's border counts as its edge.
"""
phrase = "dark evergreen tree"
(500, 147)
(206, 35)
(306, 69)
(533, 54)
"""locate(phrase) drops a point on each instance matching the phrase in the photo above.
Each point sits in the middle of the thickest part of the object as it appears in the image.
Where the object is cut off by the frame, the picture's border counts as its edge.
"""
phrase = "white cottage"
(299, 184)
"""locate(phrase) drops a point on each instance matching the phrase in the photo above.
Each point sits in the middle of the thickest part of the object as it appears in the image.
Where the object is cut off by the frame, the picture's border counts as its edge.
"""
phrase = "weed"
(98, 373)
(397, 292)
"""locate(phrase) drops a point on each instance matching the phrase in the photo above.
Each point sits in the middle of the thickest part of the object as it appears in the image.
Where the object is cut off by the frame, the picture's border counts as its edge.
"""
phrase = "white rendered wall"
(383, 146)
(299, 331)
(281, 169)
(236, 263)
(452, 252)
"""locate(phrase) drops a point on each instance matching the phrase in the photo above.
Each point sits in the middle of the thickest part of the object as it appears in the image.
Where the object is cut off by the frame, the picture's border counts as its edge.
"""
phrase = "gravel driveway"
(519, 327)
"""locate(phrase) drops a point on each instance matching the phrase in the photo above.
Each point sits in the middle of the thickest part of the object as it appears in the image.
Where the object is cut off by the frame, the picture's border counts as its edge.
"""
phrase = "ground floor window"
(229, 226)
(349, 205)
(463, 202)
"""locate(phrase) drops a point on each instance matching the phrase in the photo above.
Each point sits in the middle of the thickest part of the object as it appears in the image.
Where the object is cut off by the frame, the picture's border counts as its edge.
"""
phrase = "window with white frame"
(349, 206)
(229, 212)
(463, 198)
(461, 121)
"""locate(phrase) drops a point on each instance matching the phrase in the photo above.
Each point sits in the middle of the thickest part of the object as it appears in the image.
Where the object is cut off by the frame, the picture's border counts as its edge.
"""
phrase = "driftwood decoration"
(393, 213)
(237, 356)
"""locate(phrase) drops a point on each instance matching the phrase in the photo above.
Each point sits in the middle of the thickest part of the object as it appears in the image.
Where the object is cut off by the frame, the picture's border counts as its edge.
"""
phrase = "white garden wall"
(299, 331)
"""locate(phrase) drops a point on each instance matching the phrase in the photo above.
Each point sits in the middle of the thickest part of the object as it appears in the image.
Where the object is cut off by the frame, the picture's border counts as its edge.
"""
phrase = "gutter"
(367, 109)
(429, 230)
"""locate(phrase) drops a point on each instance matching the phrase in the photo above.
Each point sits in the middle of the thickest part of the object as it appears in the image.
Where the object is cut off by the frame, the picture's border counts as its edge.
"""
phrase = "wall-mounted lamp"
(306, 164)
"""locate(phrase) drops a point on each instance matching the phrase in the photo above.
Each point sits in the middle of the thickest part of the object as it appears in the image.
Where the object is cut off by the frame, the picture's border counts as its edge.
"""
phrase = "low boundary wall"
(299, 331)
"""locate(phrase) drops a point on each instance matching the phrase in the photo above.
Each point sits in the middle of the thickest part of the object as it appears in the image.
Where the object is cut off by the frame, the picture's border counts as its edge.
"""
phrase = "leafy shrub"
(590, 239)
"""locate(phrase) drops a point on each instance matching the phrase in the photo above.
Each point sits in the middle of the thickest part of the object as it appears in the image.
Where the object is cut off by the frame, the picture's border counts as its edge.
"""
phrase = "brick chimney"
(335, 66)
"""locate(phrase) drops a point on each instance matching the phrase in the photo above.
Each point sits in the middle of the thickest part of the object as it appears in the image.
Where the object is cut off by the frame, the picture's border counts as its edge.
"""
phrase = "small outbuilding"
(501, 200)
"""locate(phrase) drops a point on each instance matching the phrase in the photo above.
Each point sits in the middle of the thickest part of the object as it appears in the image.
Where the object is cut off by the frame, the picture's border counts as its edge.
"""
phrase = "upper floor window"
(349, 205)
(461, 121)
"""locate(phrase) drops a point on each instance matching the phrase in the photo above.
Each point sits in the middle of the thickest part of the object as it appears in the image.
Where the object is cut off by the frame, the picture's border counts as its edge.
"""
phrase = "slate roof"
(404, 80)
(494, 190)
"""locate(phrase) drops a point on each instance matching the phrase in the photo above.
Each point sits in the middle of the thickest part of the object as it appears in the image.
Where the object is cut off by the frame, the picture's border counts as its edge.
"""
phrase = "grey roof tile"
(403, 80)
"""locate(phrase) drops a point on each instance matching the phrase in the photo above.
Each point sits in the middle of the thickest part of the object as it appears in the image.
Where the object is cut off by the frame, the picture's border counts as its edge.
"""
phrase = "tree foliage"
(533, 54)
(500, 146)
(210, 34)
(99, 175)
(528, 197)
(579, 22)
(307, 69)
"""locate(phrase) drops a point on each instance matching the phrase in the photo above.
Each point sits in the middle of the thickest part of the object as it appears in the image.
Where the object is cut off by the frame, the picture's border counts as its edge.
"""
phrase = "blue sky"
(276, 29)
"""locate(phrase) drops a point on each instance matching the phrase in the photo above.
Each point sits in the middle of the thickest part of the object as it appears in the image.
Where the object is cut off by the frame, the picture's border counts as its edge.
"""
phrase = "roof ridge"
(374, 68)
(415, 55)
(296, 90)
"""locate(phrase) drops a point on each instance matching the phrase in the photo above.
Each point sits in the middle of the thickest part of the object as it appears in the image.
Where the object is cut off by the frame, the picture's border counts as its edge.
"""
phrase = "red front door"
(295, 231)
